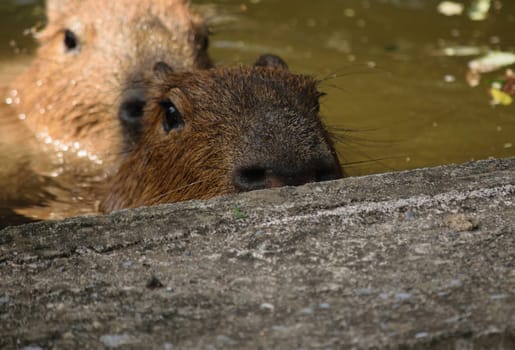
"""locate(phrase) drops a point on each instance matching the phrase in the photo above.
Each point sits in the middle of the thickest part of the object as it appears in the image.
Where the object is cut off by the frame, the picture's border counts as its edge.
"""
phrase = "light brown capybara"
(224, 130)
(85, 82)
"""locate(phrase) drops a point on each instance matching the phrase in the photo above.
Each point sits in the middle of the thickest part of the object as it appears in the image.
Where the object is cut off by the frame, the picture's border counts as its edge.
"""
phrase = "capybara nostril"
(327, 173)
(131, 110)
(249, 178)
(259, 177)
(130, 114)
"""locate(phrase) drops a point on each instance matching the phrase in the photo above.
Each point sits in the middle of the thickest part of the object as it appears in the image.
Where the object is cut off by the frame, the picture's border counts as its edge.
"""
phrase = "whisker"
(343, 74)
(367, 161)
(348, 136)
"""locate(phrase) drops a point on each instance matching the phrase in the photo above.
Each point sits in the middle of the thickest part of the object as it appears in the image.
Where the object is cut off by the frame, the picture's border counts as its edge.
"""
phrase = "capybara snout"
(283, 145)
(224, 130)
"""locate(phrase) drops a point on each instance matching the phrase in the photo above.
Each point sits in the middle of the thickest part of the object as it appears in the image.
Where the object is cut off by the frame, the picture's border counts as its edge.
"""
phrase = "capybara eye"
(172, 117)
(71, 42)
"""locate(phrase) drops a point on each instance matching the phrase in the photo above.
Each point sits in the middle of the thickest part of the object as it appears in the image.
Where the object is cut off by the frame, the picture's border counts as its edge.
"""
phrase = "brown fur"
(75, 96)
(233, 118)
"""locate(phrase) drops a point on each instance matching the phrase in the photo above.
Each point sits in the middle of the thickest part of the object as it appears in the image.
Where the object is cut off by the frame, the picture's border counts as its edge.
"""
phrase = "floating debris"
(502, 89)
(473, 78)
(500, 97)
(508, 85)
(478, 10)
(462, 51)
(492, 61)
(450, 8)
(449, 78)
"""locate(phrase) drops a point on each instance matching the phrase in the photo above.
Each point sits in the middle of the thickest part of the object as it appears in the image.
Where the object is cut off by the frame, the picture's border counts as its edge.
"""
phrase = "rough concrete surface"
(422, 259)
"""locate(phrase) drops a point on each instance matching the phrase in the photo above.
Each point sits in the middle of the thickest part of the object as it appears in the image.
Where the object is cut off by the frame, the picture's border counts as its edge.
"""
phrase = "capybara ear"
(162, 70)
(271, 61)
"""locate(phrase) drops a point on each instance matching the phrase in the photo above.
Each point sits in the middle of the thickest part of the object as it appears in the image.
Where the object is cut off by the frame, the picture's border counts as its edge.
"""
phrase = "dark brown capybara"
(224, 130)
(85, 82)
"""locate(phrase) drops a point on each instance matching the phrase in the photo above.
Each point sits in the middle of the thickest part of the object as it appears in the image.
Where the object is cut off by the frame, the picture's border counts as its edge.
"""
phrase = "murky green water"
(406, 105)
(403, 111)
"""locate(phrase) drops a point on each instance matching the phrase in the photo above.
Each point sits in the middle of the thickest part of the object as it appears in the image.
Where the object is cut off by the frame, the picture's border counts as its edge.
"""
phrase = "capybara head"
(87, 75)
(225, 130)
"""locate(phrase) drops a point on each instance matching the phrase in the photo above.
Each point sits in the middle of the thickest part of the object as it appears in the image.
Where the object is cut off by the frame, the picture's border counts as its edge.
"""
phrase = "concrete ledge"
(422, 259)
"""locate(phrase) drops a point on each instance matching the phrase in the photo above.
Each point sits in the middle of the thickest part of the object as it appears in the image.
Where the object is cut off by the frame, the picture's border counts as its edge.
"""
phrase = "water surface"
(414, 108)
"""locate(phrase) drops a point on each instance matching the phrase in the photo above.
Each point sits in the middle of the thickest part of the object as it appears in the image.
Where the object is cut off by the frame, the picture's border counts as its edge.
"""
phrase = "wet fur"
(74, 96)
(233, 117)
